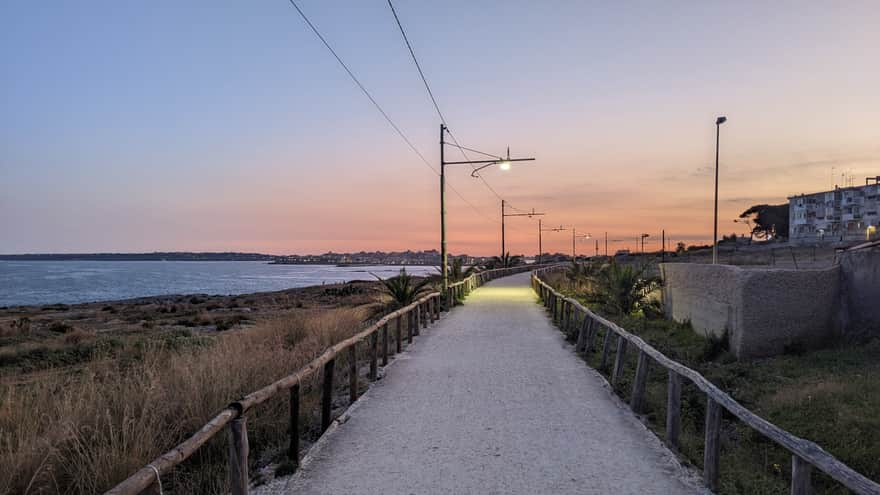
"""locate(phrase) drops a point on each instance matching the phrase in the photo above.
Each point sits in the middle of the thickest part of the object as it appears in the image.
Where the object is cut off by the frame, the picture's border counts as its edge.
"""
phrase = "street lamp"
(644, 236)
(503, 164)
(504, 214)
(718, 122)
(575, 236)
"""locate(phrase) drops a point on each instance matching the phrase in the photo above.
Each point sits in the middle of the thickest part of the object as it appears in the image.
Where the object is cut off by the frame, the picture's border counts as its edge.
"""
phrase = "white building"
(846, 214)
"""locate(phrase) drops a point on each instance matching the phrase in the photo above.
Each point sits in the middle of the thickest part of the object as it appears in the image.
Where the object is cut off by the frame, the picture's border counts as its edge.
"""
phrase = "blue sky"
(132, 126)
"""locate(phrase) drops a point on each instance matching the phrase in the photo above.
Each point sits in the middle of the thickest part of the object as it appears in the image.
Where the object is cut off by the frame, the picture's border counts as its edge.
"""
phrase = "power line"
(379, 107)
(434, 100)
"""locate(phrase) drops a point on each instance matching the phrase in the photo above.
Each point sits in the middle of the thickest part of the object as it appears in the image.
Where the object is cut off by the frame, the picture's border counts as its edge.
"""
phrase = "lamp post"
(574, 236)
(718, 122)
(503, 164)
(504, 215)
(644, 236)
(540, 245)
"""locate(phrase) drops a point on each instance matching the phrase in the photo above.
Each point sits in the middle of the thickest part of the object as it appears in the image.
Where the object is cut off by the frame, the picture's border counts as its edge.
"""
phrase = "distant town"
(429, 258)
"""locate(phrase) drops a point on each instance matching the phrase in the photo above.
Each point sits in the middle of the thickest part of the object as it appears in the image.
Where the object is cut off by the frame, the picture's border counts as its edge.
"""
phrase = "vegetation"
(104, 407)
(457, 272)
(404, 289)
(829, 396)
(769, 221)
(505, 261)
(619, 289)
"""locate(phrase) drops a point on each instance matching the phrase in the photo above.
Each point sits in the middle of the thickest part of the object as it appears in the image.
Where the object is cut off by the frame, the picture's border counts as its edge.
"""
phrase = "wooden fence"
(418, 314)
(805, 454)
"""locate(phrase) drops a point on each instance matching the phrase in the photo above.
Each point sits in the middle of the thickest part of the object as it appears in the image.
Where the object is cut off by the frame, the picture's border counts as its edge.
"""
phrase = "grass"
(80, 417)
(830, 396)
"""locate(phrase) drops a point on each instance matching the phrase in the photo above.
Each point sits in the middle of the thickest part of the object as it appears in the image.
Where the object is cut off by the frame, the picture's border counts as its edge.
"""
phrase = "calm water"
(69, 282)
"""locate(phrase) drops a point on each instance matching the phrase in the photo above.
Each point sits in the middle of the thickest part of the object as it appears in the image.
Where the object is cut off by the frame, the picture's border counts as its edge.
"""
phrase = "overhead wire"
(436, 105)
(382, 111)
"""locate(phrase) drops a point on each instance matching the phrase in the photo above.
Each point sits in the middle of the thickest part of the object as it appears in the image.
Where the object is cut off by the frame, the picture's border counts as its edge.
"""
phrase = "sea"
(71, 282)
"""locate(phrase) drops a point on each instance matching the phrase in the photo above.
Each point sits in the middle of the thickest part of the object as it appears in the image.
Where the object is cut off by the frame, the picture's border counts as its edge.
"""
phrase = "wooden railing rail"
(424, 311)
(805, 454)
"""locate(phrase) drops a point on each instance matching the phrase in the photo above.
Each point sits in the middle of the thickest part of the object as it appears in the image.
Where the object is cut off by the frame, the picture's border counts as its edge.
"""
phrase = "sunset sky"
(227, 125)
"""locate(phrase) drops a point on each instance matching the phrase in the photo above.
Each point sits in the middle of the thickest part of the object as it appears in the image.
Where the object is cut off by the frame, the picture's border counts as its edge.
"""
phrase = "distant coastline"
(157, 256)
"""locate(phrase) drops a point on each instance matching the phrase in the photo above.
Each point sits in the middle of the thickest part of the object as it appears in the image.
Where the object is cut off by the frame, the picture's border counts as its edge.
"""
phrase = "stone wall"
(859, 316)
(764, 311)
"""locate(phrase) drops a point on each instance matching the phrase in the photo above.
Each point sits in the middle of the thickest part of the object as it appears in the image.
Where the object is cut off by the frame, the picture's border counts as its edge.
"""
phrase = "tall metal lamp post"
(575, 236)
(718, 122)
(504, 215)
(503, 164)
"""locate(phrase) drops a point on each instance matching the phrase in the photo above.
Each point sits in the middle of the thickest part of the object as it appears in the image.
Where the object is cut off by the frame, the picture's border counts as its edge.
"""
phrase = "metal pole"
(663, 246)
(540, 247)
(573, 252)
(606, 243)
(443, 210)
(502, 229)
(715, 231)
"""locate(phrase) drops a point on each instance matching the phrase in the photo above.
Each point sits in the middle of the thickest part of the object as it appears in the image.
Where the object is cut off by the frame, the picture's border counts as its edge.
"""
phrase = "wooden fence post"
(637, 400)
(591, 335)
(352, 374)
(619, 360)
(410, 321)
(673, 410)
(581, 344)
(417, 319)
(238, 456)
(448, 299)
(385, 344)
(800, 476)
(327, 396)
(606, 349)
(399, 334)
(374, 356)
(712, 449)
(293, 449)
(426, 315)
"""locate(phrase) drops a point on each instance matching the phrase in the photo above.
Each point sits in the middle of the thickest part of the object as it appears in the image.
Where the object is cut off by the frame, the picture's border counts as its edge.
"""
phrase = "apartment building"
(846, 214)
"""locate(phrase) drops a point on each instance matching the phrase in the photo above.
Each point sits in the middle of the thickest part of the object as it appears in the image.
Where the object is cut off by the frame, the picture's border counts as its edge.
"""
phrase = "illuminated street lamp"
(503, 164)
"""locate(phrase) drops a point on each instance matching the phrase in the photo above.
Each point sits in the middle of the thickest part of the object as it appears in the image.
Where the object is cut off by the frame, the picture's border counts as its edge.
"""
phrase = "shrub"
(404, 289)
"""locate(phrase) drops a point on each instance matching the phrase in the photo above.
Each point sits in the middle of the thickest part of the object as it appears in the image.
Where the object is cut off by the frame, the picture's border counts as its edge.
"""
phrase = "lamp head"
(504, 165)
(720, 120)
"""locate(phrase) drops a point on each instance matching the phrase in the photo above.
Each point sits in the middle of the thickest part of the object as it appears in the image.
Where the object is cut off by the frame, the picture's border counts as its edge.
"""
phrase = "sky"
(228, 126)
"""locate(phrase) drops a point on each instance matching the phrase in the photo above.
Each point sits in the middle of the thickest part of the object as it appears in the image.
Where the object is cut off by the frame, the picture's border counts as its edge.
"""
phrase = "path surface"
(489, 400)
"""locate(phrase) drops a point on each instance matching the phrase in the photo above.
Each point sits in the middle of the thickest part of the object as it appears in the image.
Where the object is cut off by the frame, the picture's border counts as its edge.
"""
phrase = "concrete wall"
(859, 316)
(765, 311)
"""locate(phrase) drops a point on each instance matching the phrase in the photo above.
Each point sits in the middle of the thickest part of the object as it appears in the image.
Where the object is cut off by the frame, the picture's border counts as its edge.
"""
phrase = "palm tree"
(456, 270)
(403, 289)
(505, 261)
(624, 288)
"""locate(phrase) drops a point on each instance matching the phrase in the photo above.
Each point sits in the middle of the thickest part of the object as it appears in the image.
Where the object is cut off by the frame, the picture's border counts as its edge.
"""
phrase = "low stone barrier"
(764, 311)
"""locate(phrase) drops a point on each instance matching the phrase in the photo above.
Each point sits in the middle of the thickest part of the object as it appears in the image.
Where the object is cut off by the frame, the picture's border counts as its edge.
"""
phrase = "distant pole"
(597, 247)
(540, 247)
(606, 243)
(718, 122)
(502, 228)
(443, 210)
(573, 252)
(663, 246)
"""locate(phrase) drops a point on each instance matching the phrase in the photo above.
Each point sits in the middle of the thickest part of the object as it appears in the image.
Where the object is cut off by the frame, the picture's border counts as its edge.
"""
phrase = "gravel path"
(489, 400)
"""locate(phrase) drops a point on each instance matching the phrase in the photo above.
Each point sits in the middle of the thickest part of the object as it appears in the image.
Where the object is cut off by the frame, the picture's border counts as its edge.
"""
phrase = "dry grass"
(84, 431)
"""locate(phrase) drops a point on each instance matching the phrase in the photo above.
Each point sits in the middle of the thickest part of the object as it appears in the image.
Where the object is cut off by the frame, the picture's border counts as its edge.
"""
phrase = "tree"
(505, 261)
(625, 288)
(457, 272)
(403, 289)
(769, 220)
(680, 248)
